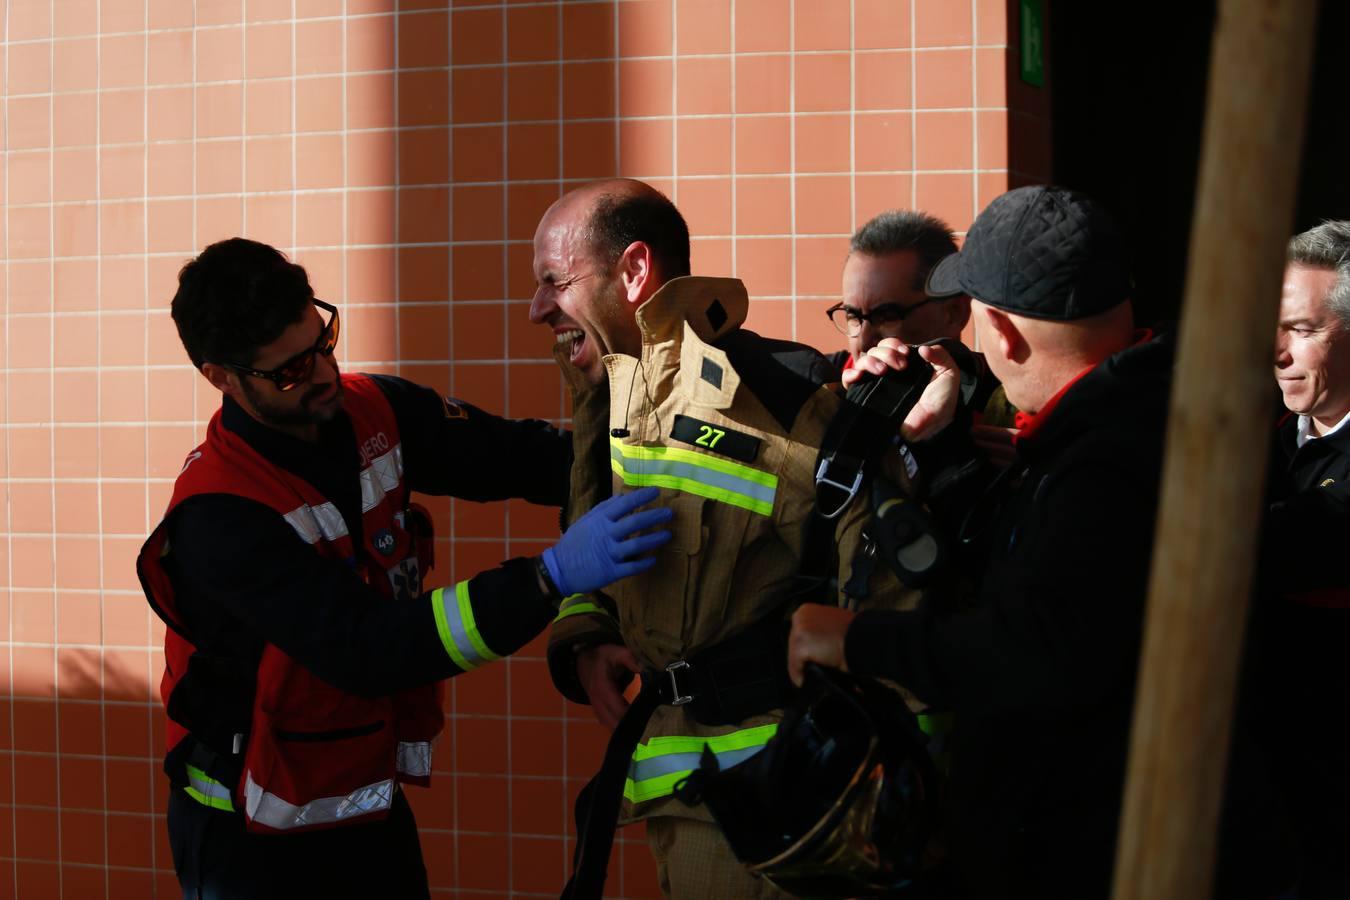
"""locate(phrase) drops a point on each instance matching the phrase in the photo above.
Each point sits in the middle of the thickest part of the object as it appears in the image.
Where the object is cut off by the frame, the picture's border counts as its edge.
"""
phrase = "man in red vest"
(303, 658)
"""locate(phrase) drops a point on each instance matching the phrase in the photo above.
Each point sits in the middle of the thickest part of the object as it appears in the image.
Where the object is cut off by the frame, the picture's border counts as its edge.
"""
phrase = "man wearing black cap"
(1040, 670)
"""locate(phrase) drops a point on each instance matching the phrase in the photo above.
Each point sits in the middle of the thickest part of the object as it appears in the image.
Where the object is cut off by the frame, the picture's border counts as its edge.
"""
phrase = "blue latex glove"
(597, 550)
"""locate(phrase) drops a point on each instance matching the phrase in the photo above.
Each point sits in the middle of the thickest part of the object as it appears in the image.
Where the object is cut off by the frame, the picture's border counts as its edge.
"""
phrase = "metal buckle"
(851, 490)
(680, 698)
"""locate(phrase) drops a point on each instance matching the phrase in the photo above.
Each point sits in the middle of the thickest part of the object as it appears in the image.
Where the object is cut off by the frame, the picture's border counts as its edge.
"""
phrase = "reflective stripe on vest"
(660, 763)
(207, 791)
(381, 477)
(576, 604)
(459, 632)
(314, 522)
(270, 810)
(414, 758)
(694, 473)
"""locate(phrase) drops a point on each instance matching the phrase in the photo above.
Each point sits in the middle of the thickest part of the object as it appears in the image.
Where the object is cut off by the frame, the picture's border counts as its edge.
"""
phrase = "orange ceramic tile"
(943, 79)
(35, 839)
(169, 14)
(710, 255)
(991, 87)
(34, 667)
(424, 40)
(122, 172)
(74, 119)
(126, 729)
(588, 30)
(126, 618)
(30, 177)
(772, 318)
(124, 512)
(703, 146)
(34, 621)
(268, 10)
(370, 217)
(122, 116)
(133, 882)
(82, 838)
(170, 172)
(267, 50)
(476, 36)
(476, 95)
(170, 392)
(763, 26)
(122, 283)
(818, 265)
(81, 780)
(532, 691)
(703, 86)
(30, 232)
(646, 149)
(483, 805)
(483, 861)
(876, 193)
(29, 123)
(370, 43)
(763, 144)
(538, 806)
(532, 33)
(645, 28)
(122, 227)
(132, 837)
(77, 508)
(480, 743)
(73, 452)
(482, 385)
(30, 69)
(80, 880)
(370, 159)
(822, 205)
(588, 90)
(525, 205)
(220, 12)
(531, 151)
(31, 285)
(126, 672)
(318, 219)
(531, 91)
(438, 854)
(319, 159)
(81, 727)
(169, 114)
(822, 25)
(638, 869)
(703, 26)
(883, 80)
(538, 863)
(120, 452)
(424, 156)
(370, 100)
(944, 140)
(706, 205)
(478, 330)
(822, 143)
(940, 23)
(220, 54)
(645, 87)
(267, 163)
(122, 396)
(30, 20)
(220, 110)
(318, 103)
(947, 196)
(434, 808)
(763, 84)
(991, 22)
(477, 214)
(586, 740)
(989, 186)
(991, 139)
(267, 107)
(424, 274)
(169, 445)
(169, 224)
(765, 265)
(881, 24)
(813, 328)
(318, 47)
(822, 82)
(75, 230)
(424, 332)
(520, 283)
(588, 150)
(30, 507)
(75, 65)
(121, 15)
(883, 142)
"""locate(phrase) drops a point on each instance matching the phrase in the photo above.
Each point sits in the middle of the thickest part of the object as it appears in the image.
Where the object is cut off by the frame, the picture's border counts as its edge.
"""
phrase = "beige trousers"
(694, 862)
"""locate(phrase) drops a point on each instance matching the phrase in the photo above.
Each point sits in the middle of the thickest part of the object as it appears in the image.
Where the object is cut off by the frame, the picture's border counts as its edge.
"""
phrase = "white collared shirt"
(1305, 429)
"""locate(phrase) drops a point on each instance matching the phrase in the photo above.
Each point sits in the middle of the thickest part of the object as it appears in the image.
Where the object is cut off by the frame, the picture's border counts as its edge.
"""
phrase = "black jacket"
(1040, 671)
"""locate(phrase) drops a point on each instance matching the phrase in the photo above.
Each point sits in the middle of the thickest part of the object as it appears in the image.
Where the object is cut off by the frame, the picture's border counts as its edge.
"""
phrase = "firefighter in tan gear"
(669, 391)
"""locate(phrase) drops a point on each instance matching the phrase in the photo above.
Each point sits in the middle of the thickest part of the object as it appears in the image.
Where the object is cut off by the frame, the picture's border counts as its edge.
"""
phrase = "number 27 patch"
(717, 438)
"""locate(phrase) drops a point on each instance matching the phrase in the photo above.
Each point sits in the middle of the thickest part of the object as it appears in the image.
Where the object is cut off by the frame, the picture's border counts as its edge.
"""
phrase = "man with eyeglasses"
(303, 658)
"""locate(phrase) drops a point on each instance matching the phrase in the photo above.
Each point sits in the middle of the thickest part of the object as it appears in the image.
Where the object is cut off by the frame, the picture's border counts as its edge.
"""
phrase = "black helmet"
(842, 801)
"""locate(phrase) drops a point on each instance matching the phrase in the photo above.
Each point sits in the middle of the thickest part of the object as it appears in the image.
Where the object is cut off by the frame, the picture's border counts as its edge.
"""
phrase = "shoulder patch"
(717, 438)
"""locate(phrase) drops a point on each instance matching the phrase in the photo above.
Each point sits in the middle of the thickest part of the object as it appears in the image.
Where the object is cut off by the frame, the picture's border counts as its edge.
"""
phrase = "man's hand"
(996, 444)
(937, 405)
(817, 636)
(604, 670)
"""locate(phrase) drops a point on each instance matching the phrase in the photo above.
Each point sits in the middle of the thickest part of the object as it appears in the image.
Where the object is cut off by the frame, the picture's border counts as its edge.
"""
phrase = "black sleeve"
(454, 448)
(239, 568)
(1058, 629)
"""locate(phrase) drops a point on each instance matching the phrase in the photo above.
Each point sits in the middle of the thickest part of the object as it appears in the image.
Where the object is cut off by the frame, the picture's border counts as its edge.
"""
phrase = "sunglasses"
(849, 320)
(296, 370)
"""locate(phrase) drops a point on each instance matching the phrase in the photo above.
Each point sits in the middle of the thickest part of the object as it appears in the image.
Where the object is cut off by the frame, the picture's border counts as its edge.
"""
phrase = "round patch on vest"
(384, 541)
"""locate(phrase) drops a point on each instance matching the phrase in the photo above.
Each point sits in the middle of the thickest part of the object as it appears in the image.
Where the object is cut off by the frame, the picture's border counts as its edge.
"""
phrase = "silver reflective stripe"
(656, 766)
(414, 758)
(314, 522)
(274, 812)
(381, 477)
(685, 471)
(330, 521)
(207, 791)
(302, 520)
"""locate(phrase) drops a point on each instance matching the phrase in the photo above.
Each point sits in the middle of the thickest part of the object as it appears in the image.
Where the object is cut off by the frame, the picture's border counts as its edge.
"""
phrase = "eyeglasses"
(296, 370)
(849, 320)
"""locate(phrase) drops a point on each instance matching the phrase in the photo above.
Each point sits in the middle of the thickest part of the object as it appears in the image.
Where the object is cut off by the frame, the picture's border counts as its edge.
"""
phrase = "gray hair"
(1327, 247)
(906, 229)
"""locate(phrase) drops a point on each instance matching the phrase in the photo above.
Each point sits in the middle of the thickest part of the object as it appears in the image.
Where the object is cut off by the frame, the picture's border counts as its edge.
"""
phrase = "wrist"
(547, 579)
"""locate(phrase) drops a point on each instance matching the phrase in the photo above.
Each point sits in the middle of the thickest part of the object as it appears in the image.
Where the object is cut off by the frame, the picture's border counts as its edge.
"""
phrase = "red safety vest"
(316, 756)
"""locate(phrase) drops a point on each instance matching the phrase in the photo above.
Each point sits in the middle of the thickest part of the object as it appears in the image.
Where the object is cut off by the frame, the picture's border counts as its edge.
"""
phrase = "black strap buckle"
(680, 698)
(848, 488)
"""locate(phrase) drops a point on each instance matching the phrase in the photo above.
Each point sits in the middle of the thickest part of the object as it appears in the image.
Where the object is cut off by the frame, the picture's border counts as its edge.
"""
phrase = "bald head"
(613, 214)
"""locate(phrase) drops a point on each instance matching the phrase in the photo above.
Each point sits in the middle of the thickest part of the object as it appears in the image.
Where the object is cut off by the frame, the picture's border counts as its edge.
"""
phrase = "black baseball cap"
(1044, 252)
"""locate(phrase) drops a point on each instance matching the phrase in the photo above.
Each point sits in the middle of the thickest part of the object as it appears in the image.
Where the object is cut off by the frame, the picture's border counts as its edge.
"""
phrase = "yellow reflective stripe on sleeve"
(694, 473)
(207, 791)
(458, 630)
(659, 764)
(576, 604)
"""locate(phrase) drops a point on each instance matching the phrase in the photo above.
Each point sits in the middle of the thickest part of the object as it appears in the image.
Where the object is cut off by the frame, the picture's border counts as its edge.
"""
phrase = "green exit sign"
(1033, 43)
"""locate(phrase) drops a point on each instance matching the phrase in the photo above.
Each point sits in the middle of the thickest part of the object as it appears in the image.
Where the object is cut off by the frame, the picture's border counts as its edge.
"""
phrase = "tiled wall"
(403, 154)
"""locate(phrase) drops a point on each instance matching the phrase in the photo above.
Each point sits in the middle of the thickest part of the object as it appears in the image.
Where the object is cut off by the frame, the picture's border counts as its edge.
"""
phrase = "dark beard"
(304, 414)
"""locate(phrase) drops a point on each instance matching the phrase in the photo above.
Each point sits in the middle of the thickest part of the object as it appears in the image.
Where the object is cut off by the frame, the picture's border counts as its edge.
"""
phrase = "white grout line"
(792, 165)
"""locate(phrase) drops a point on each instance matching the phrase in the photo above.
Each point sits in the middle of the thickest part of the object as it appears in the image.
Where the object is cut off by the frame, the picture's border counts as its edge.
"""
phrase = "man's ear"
(637, 273)
(221, 378)
(1011, 344)
(957, 311)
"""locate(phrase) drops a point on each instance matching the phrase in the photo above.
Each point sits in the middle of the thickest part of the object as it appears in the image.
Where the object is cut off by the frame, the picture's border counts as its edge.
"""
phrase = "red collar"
(1027, 424)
